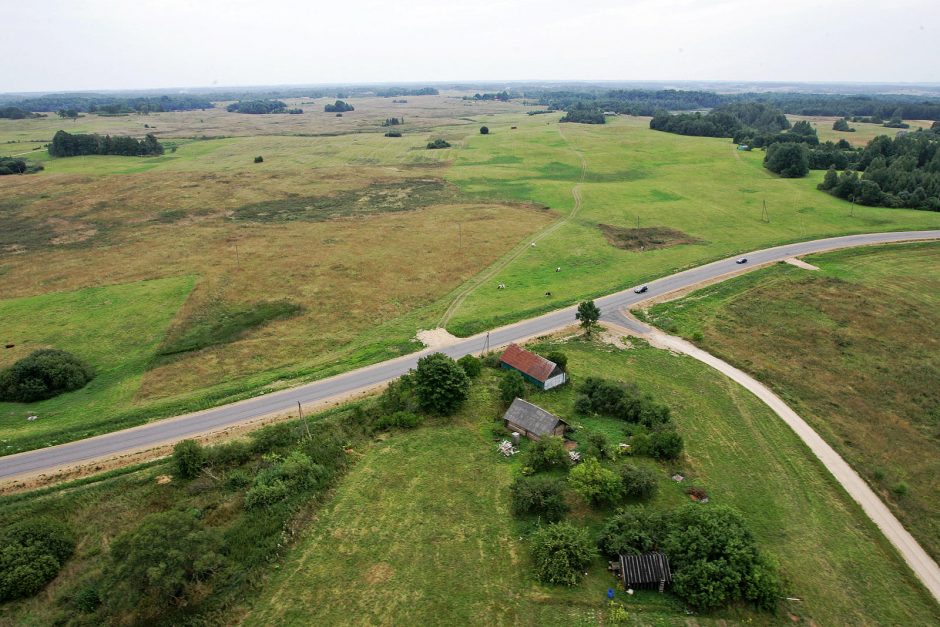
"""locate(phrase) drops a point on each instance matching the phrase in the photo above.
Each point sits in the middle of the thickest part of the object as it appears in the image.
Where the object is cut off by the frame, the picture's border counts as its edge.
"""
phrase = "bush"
(162, 559)
(471, 365)
(43, 374)
(546, 454)
(32, 552)
(438, 144)
(441, 385)
(259, 159)
(596, 484)
(393, 134)
(400, 395)
(632, 532)
(189, 457)
(400, 419)
(511, 386)
(484, 130)
(560, 359)
(266, 493)
(597, 446)
(665, 444)
(543, 496)
(638, 482)
(561, 553)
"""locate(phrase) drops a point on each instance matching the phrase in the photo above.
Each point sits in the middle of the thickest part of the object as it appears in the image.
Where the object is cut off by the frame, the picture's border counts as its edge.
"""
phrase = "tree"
(441, 385)
(596, 484)
(161, 560)
(43, 374)
(842, 124)
(511, 387)
(259, 159)
(588, 313)
(561, 552)
(189, 457)
(547, 453)
(542, 496)
(438, 143)
(631, 531)
(789, 160)
(638, 482)
(339, 107)
(559, 358)
(484, 130)
(665, 444)
(830, 180)
(471, 365)
(32, 551)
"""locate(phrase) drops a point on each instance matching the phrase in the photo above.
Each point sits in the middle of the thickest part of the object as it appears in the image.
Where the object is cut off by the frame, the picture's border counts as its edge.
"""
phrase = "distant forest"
(16, 113)
(261, 107)
(100, 103)
(69, 145)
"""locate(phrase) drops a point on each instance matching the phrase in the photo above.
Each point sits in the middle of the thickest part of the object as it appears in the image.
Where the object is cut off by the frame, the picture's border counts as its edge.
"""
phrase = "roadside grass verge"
(854, 349)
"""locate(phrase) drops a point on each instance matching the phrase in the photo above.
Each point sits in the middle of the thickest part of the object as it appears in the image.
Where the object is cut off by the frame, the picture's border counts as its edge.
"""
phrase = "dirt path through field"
(920, 562)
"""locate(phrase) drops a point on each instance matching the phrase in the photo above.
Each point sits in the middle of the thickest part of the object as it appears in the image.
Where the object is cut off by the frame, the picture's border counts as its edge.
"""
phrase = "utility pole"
(306, 426)
(852, 208)
(764, 216)
(486, 344)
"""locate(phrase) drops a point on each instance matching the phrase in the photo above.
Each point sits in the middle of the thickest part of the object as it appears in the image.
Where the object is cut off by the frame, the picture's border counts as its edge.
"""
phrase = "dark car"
(640, 289)
(741, 260)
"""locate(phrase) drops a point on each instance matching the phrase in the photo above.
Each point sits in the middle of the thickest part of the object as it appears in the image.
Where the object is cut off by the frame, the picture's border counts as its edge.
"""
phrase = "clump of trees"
(842, 124)
(16, 113)
(438, 144)
(393, 134)
(258, 107)
(393, 121)
(441, 385)
(68, 145)
(12, 165)
(743, 119)
(584, 116)
(502, 96)
(32, 551)
(43, 374)
(789, 160)
(339, 106)
(561, 553)
(259, 159)
(547, 453)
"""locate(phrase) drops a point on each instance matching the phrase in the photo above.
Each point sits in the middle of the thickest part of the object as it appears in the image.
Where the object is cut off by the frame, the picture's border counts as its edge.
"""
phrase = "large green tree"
(588, 314)
(561, 552)
(788, 159)
(441, 384)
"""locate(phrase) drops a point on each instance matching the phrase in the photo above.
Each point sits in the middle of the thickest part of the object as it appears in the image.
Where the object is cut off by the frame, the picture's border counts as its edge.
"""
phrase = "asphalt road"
(199, 423)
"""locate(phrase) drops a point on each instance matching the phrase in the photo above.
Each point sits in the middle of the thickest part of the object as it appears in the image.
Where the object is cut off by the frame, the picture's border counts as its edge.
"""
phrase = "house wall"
(555, 381)
(514, 427)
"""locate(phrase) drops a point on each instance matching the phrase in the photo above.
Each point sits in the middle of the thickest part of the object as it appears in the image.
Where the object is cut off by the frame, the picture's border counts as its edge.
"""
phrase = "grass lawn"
(116, 329)
(419, 531)
(854, 349)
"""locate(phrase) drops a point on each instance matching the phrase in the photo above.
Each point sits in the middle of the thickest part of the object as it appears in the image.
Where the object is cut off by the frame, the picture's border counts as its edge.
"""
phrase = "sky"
(119, 44)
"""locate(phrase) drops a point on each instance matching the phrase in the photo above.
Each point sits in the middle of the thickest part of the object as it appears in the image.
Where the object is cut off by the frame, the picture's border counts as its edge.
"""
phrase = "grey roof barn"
(533, 421)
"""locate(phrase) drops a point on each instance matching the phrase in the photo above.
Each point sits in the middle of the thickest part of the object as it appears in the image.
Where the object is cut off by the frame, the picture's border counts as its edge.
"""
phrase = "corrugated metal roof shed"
(532, 418)
(645, 569)
(528, 362)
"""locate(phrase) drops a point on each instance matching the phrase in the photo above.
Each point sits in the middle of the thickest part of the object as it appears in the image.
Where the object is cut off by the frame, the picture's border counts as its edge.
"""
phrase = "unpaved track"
(920, 562)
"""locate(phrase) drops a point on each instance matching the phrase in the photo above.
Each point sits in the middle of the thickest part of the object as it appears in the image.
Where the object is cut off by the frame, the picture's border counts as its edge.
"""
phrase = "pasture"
(369, 239)
(863, 133)
(420, 528)
(854, 349)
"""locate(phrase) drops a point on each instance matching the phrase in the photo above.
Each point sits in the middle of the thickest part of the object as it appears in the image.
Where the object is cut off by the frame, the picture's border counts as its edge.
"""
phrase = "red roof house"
(540, 372)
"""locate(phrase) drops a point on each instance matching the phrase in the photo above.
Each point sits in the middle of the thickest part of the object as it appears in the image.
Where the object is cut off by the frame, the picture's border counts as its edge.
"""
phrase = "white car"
(741, 260)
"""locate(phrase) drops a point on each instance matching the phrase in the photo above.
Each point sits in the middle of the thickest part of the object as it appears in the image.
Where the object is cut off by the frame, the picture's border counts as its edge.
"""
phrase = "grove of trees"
(43, 374)
(68, 145)
(339, 106)
(260, 107)
(13, 165)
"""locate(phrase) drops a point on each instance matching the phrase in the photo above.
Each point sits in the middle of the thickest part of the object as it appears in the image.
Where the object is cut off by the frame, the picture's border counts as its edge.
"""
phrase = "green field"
(330, 223)
(854, 349)
(116, 328)
(420, 528)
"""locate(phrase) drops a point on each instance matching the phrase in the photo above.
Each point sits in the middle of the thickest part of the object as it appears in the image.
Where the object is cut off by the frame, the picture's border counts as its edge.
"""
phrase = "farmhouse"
(644, 571)
(537, 370)
(532, 421)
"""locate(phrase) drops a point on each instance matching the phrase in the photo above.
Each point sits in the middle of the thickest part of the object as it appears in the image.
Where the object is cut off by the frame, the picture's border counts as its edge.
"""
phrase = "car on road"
(741, 260)
(640, 289)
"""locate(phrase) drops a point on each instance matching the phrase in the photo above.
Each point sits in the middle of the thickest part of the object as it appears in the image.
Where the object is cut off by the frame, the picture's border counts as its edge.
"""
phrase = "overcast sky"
(124, 44)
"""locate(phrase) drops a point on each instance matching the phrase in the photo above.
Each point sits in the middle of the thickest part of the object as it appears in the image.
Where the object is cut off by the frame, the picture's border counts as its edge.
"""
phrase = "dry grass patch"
(646, 238)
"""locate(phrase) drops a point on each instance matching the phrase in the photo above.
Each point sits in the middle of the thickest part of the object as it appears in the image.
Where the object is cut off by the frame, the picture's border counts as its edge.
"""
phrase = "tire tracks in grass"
(524, 245)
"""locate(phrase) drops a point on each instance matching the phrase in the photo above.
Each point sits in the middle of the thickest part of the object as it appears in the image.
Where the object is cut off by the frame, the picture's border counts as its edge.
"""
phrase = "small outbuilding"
(649, 570)
(532, 421)
(537, 370)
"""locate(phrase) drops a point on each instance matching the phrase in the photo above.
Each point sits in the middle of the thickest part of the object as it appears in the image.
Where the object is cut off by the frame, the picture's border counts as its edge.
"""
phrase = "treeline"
(339, 107)
(650, 102)
(260, 107)
(69, 145)
(899, 172)
(12, 165)
(743, 118)
(584, 116)
(405, 91)
(101, 103)
(16, 113)
(502, 96)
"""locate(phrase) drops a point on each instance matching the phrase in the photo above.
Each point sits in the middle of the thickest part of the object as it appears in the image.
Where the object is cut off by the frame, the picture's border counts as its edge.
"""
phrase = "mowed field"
(420, 530)
(863, 133)
(855, 349)
(365, 239)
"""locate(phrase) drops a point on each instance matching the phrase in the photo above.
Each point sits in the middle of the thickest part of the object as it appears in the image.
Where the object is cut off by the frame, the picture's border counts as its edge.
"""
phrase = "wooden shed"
(537, 370)
(649, 570)
(532, 421)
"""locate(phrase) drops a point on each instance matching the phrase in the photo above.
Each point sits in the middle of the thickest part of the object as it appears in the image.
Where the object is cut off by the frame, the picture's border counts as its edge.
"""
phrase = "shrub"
(638, 482)
(631, 531)
(87, 599)
(559, 358)
(547, 454)
(484, 130)
(596, 484)
(511, 386)
(393, 134)
(400, 419)
(31, 553)
(471, 365)
(597, 446)
(561, 553)
(441, 385)
(259, 159)
(189, 457)
(665, 444)
(438, 144)
(43, 374)
(162, 559)
(399, 395)
(266, 493)
(543, 496)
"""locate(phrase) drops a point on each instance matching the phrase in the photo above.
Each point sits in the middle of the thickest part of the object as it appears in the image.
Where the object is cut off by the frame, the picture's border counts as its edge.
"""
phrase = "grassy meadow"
(854, 349)
(420, 528)
(863, 133)
(368, 238)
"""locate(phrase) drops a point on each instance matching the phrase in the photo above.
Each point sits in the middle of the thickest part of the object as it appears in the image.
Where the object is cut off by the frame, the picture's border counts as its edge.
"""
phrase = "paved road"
(190, 425)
